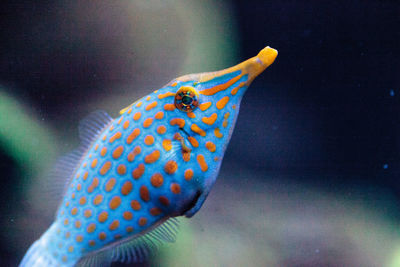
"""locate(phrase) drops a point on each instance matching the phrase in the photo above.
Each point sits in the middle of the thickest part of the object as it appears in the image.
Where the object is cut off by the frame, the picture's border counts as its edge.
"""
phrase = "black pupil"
(187, 100)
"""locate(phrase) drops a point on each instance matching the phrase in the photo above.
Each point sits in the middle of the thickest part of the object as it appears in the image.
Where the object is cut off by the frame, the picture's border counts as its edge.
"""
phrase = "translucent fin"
(135, 249)
(38, 256)
(61, 174)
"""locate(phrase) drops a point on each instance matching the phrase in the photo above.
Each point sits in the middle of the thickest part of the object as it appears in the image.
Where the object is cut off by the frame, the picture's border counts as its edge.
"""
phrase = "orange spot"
(94, 163)
(156, 180)
(210, 120)
(79, 187)
(79, 238)
(202, 163)
(155, 211)
(97, 200)
(82, 200)
(84, 164)
(135, 205)
(149, 140)
(103, 151)
(132, 154)
(159, 115)
(193, 141)
(64, 258)
(102, 236)
(70, 248)
(169, 107)
(103, 216)
(129, 111)
(167, 94)
(142, 221)
(85, 176)
(216, 158)
(129, 229)
(191, 115)
(188, 174)
(175, 188)
(217, 133)
(117, 236)
(92, 243)
(67, 234)
(236, 89)
(197, 130)
(138, 172)
(87, 213)
(126, 125)
(224, 123)
(96, 147)
(164, 200)
(178, 136)
(152, 157)
(116, 136)
(222, 102)
(226, 116)
(220, 87)
(111, 128)
(114, 225)
(139, 104)
(161, 129)
(137, 116)
(147, 122)
(121, 169)
(120, 119)
(126, 188)
(91, 227)
(151, 106)
(105, 168)
(118, 152)
(110, 184)
(234, 107)
(115, 202)
(204, 106)
(135, 133)
(93, 185)
(148, 98)
(104, 138)
(167, 145)
(186, 155)
(170, 167)
(66, 222)
(127, 215)
(144, 193)
(174, 84)
(177, 121)
(210, 146)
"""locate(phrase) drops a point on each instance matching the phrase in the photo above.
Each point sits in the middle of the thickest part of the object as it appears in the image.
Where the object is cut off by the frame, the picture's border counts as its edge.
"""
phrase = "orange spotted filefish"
(134, 174)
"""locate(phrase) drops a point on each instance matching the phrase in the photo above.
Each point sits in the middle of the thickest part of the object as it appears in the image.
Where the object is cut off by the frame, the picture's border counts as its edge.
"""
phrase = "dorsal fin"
(135, 249)
(60, 175)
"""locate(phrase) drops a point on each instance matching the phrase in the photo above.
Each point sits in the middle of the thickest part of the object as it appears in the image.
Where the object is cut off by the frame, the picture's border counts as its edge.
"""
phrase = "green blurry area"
(249, 219)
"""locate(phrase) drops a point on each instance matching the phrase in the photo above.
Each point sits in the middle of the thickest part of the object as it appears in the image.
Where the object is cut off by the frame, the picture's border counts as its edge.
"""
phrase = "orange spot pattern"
(121, 169)
(127, 215)
(147, 122)
(105, 168)
(138, 172)
(170, 167)
(136, 151)
(167, 94)
(202, 163)
(205, 106)
(161, 129)
(155, 211)
(137, 116)
(220, 87)
(93, 185)
(159, 115)
(236, 89)
(114, 225)
(115, 202)
(175, 188)
(222, 102)
(125, 125)
(169, 107)
(142, 221)
(210, 120)
(177, 121)
(149, 140)
(164, 200)
(151, 106)
(103, 151)
(156, 180)
(118, 152)
(210, 146)
(94, 163)
(197, 130)
(103, 216)
(97, 200)
(110, 184)
(217, 133)
(135, 133)
(193, 141)
(126, 188)
(144, 193)
(116, 136)
(191, 115)
(152, 157)
(167, 145)
(135, 205)
(188, 174)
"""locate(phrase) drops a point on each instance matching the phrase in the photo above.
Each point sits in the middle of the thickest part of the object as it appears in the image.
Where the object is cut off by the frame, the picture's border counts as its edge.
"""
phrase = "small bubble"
(392, 92)
(385, 166)
(317, 251)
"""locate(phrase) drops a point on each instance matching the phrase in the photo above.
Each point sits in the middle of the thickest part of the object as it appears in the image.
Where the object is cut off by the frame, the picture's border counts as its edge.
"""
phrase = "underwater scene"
(122, 144)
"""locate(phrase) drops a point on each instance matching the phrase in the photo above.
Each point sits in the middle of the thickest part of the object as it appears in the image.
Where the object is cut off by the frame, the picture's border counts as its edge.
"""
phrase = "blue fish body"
(135, 173)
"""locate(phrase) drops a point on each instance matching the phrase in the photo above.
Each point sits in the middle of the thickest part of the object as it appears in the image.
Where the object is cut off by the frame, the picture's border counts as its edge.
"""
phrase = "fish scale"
(156, 161)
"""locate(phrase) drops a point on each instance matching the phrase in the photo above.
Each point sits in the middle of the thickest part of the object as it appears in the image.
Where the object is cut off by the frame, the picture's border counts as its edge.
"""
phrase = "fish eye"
(186, 99)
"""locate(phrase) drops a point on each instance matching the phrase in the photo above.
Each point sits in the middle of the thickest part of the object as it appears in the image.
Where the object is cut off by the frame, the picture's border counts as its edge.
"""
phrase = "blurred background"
(311, 176)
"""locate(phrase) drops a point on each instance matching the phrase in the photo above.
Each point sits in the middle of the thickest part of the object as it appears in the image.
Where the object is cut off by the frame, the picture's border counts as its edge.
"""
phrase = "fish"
(132, 176)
